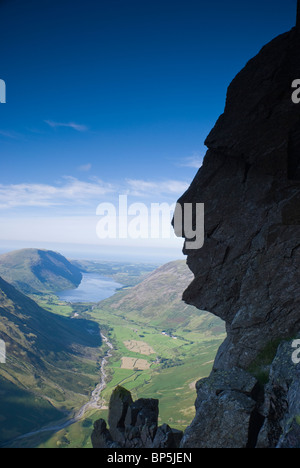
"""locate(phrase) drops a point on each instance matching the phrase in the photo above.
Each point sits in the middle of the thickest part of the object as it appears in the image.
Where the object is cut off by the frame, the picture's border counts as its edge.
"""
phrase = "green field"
(161, 348)
(174, 369)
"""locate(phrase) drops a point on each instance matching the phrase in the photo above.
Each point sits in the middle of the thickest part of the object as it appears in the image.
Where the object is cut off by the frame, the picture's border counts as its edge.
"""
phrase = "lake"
(93, 288)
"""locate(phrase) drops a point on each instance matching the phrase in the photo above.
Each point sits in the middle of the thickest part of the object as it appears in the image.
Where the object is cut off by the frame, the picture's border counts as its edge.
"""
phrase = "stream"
(93, 288)
(95, 397)
(94, 402)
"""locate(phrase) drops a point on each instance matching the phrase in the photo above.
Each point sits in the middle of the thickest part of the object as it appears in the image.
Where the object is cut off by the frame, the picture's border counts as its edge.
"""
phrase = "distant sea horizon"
(100, 253)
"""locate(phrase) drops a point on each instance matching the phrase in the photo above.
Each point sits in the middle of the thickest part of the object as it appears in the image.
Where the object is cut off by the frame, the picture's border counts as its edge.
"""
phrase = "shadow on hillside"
(21, 412)
(43, 330)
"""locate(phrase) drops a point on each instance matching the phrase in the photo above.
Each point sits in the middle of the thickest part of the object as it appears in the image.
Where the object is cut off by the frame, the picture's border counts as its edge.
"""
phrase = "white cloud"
(195, 161)
(72, 230)
(73, 125)
(85, 167)
(37, 223)
(140, 188)
(9, 134)
(69, 192)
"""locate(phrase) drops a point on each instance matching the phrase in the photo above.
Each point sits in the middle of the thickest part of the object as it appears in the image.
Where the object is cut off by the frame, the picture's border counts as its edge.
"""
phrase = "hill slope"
(157, 300)
(34, 271)
(49, 360)
(162, 347)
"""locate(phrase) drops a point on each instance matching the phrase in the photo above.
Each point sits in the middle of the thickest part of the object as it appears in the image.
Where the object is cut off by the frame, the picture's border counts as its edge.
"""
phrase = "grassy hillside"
(52, 363)
(161, 348)
(170, 344)
(157, 301)
(35, 271)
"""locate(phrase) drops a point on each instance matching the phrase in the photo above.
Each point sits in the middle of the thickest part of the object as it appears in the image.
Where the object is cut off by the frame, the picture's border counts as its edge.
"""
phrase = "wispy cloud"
(195, 161)
(9, 134)
(156, 188)
(70, 191)
(73, 125)
(85, 167)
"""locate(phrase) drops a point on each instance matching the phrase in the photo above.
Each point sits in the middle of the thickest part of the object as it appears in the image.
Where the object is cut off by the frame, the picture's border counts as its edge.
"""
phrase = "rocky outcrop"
(234, 410)
(281, 407)
(227, 412)
(133, 425)
(248, 273)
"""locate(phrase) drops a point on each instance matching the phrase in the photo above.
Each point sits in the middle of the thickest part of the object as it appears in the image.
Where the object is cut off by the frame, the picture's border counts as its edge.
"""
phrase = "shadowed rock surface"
(281, 407)
(247, 273)
(226, 406)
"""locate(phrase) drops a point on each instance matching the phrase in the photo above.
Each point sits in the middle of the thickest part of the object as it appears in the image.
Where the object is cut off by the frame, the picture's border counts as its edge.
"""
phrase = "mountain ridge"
(35, 271)
(158, 299)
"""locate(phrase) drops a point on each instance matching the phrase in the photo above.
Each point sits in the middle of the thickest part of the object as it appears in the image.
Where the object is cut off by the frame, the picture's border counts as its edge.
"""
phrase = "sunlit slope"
(35, 271)
(157, 300)
(51, 363)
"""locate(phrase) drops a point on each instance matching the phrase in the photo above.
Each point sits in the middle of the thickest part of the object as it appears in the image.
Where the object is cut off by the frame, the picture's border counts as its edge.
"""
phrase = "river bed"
(95, 401)
(93, 288)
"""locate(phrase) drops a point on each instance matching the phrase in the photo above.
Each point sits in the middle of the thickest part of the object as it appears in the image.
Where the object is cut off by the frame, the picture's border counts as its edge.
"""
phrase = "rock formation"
(281, 407)
(133, 425)
(226, 406)
(248, 273)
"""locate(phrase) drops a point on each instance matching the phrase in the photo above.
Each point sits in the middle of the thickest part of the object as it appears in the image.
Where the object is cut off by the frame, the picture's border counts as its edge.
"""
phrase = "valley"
(153, 344)
(170, 373)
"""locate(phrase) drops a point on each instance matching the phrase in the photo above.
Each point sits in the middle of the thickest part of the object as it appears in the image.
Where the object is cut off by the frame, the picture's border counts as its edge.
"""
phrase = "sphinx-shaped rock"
(248, 272)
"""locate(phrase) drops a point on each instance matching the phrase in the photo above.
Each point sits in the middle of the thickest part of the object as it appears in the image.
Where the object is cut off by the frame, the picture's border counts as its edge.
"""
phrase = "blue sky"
(112, 97)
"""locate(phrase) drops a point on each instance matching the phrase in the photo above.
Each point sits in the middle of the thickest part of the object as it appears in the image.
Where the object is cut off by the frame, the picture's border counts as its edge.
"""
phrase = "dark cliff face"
(247, 273)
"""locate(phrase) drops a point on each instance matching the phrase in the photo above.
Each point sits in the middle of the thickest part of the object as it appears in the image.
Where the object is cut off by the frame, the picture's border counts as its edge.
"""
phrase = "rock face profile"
(247, 272)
